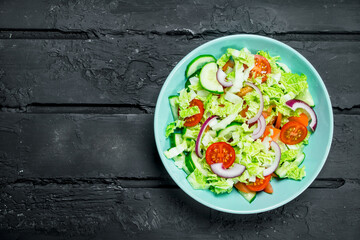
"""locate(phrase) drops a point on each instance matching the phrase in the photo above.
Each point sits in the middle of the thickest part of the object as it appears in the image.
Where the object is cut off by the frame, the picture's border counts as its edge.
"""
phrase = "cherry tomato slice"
(195, 119)
(259, 184)
(261, 68)
(292, 133)
(220, 152)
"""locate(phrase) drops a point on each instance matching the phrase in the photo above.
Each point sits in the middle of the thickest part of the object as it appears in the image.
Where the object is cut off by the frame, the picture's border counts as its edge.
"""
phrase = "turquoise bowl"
(316, 152)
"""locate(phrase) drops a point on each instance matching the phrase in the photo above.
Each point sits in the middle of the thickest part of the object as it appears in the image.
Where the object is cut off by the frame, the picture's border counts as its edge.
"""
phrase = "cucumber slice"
(195, 182)
(281, 171)
(299, 159)
(197, 63)
(208, 78)
(225, 133)
(187, 133)
(175, 139)
(248, 196)
(192, 161)
(189, 163)
(306, 97)
(174, 105)
(188, 82)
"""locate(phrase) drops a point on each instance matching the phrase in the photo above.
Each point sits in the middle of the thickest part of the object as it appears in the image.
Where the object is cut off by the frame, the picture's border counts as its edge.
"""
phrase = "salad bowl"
(316, 151)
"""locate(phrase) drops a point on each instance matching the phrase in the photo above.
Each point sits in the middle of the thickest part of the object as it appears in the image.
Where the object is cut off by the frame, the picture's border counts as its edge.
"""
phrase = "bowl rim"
(301, 189)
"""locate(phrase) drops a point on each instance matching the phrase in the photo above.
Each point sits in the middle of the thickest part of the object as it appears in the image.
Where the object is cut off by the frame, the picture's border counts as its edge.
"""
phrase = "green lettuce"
(198, 180)
(190, 111)
(293, 82)
(171, 127)
(219, 185)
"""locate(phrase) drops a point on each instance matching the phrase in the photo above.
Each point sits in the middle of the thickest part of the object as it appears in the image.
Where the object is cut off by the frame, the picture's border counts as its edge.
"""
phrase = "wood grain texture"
(110, 211)
(80, 146)
(189, 17)
(131, 70)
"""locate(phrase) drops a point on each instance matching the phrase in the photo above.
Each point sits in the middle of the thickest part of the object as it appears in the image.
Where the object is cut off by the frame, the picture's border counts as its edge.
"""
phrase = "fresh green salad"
(240, 120)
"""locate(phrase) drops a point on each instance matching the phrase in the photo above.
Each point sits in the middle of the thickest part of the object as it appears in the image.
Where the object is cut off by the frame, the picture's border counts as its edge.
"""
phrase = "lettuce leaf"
(190, 111)
(219, 185)
(293, 82)
(198, 180)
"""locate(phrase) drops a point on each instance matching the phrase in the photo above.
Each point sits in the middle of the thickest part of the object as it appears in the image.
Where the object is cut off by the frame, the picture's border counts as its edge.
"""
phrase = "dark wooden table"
(78, 86)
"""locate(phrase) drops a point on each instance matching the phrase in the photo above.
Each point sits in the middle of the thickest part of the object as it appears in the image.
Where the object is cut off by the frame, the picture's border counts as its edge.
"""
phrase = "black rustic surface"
(78, 86)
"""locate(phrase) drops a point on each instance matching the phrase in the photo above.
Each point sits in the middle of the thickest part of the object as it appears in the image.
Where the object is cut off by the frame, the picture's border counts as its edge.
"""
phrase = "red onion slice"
(295, 104)
(259, 131)
(202, 129)
(258, 114)
(276, 161)
(235, 171)
(221, 77)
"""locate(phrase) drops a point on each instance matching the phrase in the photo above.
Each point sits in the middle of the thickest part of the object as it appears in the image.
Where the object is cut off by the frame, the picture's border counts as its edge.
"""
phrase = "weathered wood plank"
(132, 69)
(191, 17)
(81, 146)
(109, 211)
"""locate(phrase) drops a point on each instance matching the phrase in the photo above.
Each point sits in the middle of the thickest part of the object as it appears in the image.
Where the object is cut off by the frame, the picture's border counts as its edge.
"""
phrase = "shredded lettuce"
(293, 82)
(190, 111)
(198, 180)
(220, 185)
(171, 127)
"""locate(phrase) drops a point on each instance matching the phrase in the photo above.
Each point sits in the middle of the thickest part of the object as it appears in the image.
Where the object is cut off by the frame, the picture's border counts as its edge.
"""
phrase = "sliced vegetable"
(202, 130)
(269, 189)
(224, 133)
(208, 78)
(273, 132)
(250, 197)
(275, 163)
(195, 119)
(174, 105)
(242, 187)
(235, 171)
(293, 133)
(228, 64)
(221, 77)
(295, 104)
(197, 63)
(220, 152)
(261, 68)
(278, 120)
(256, 117)
(303, 119)
(259, 131)
(259, 184)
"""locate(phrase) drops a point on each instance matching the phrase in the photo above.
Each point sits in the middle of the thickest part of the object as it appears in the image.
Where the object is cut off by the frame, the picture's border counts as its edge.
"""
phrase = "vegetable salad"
(240, 120)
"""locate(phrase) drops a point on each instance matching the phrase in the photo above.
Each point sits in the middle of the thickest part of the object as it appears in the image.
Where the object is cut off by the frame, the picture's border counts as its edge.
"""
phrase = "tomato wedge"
(268, 189)
(259, 184)
(262, 68)
(195, 119)
(228, 64)
(303, 119)
(220, 152)
(242, 187)
(292, 133)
